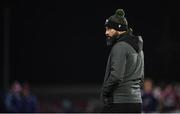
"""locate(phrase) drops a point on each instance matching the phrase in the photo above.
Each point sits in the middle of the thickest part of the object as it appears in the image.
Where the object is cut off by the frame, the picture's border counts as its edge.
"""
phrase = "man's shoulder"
(120, 45)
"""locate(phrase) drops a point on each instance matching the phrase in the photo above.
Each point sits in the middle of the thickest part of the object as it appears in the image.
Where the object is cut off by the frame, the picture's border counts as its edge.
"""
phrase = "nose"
(106, 33)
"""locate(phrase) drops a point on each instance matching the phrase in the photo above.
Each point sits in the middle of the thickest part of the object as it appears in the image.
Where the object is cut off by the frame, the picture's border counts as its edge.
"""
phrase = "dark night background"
(54, 42)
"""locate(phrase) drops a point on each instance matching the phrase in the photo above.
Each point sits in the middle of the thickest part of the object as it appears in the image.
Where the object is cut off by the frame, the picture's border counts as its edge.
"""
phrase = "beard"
(111, 40)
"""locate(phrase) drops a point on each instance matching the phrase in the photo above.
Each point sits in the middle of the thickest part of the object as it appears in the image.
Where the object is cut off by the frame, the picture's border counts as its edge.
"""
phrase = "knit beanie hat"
(117, 21)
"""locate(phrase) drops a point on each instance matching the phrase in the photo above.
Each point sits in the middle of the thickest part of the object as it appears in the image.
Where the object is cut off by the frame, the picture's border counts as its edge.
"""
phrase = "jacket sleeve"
(118, 64)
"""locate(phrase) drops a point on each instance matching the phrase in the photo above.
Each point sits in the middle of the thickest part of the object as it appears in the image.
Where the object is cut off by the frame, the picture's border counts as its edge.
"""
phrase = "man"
(150, 103)
(121, 91)
(30, 101)
(13, 99)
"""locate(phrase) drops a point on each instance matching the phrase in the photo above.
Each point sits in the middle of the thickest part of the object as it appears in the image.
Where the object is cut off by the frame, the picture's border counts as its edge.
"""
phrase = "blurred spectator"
(157, 94)
(177, 90)
(169, 99)
(13, 99)
(30, 103)
(150, 103)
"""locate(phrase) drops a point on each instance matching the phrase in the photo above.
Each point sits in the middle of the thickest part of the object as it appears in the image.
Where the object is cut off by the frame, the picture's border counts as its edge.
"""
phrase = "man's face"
(110, 32)
(16, 87)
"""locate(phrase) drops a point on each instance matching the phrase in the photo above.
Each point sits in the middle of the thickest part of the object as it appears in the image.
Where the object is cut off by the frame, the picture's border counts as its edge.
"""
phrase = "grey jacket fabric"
(125, 71)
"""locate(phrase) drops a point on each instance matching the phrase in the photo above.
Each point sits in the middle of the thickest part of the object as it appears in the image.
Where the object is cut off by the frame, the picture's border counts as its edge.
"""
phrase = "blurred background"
(57, 51)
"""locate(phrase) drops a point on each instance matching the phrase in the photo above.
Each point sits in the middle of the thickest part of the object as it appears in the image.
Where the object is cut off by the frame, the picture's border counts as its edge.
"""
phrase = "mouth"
(108, 37)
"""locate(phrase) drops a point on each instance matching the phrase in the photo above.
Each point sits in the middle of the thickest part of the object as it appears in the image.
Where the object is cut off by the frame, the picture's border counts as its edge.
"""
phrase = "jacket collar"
(129, 38)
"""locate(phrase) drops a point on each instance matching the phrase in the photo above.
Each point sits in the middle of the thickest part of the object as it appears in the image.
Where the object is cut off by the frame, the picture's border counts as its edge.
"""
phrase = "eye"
(108, 28)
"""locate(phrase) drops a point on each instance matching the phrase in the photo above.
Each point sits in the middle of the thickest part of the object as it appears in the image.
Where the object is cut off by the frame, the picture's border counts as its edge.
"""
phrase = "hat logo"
(119, 26)
(106, 21)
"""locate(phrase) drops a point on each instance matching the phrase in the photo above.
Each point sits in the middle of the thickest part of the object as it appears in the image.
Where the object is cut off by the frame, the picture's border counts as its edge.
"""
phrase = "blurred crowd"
(157, 98)
(18, 99)
(163, 98)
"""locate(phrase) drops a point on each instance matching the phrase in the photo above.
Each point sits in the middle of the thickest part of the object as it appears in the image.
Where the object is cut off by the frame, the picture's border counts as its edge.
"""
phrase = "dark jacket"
(13, 102)
(125, 70)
